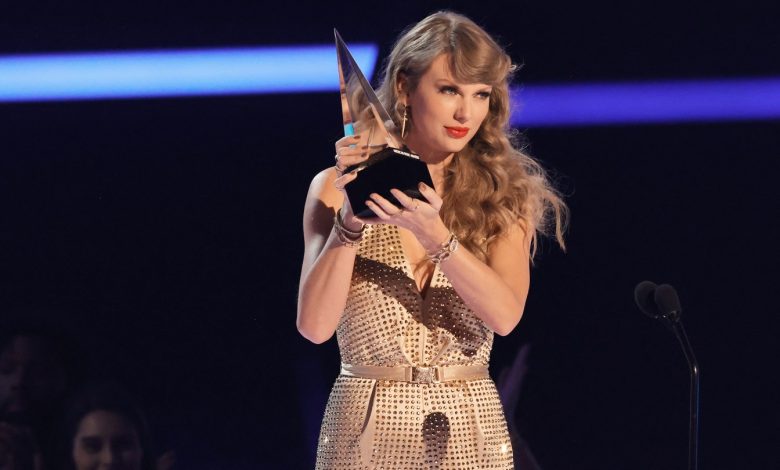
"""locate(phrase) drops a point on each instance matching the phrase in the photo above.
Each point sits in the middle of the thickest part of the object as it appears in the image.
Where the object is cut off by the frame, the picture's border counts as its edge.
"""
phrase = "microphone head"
(644, 296)
(667, 301)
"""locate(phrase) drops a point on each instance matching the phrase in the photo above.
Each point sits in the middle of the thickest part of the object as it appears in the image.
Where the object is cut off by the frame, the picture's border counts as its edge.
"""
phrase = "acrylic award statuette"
(390, 166)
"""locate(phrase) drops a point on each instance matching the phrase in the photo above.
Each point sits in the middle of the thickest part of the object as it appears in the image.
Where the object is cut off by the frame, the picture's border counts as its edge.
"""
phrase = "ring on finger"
(338, 166)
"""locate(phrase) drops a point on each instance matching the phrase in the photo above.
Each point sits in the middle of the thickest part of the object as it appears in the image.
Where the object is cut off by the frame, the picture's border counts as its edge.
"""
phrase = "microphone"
(662, 303)
(667, 302)
(644, 293)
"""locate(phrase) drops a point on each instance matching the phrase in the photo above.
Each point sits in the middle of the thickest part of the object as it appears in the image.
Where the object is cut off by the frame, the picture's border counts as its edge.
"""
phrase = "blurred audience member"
(35, 373)
(106, 430)
(17, 449)
(33, 376)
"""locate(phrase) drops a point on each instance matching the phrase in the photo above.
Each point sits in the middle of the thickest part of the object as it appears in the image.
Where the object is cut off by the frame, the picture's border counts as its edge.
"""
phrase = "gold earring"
(403, 123)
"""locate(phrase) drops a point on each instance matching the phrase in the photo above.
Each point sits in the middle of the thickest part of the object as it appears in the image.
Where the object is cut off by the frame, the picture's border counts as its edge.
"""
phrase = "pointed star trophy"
(392, 166)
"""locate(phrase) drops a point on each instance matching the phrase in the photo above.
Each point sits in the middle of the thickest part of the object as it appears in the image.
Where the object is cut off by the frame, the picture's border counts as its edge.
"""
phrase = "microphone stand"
(674, 323)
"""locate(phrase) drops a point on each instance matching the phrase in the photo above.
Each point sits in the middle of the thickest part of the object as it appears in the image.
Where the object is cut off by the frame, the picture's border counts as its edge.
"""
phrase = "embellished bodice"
(387, 320)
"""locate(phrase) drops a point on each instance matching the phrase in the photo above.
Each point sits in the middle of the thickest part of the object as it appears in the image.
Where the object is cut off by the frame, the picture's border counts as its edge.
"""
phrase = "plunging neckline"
(422, 292)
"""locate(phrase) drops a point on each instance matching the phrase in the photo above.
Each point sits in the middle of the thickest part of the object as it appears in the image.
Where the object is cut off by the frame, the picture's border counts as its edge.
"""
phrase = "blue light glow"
(151, 74)
(143, 74)
(649, 102)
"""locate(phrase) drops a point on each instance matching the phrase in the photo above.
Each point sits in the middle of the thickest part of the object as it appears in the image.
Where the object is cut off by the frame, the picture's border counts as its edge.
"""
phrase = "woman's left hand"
(418, 216)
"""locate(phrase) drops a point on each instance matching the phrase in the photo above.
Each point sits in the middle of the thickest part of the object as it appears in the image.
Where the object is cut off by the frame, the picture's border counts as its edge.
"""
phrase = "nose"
(463, 111)
(107, 457)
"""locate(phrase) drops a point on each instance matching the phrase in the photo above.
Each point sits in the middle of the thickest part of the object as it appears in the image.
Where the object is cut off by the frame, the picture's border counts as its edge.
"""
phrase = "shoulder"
(322, 189)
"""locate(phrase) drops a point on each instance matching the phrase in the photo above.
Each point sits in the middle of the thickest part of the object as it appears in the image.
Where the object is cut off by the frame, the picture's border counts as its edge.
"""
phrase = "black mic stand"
(672, 320)
(662, 303)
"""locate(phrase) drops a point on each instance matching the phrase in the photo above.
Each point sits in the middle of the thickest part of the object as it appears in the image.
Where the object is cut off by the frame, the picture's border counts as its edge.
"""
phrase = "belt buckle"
(425, 375)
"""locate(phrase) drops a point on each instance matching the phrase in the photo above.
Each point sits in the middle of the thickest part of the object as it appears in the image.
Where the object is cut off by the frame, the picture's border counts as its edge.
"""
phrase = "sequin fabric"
(381, 424)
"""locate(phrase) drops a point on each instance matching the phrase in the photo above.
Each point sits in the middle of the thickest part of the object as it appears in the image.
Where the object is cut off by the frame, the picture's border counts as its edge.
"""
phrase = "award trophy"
(391, 167)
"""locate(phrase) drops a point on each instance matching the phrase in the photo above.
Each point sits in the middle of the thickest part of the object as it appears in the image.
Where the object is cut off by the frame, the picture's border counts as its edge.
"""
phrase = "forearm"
(484, 291)
(323, 290)
(482, 288)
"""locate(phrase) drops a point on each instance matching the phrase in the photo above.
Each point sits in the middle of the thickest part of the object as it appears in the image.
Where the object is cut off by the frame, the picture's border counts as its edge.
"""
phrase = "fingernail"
(422, 186)
(356, 136)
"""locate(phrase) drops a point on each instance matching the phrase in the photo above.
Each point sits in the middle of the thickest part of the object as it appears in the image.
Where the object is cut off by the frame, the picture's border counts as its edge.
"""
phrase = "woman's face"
(446, 114)
(30, 375)
(106, 441)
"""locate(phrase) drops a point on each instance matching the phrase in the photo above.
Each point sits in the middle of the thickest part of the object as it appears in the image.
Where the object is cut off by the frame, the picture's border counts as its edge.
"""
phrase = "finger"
(344, 180)
(347, 141)
(430, 195)
(387, 206)
(381, 214)
(351, 151)
(348, 156)
(406, 201)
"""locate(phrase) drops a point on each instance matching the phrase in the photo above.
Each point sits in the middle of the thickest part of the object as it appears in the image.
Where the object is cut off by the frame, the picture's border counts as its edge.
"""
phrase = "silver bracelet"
(445, 250)
(346, 236)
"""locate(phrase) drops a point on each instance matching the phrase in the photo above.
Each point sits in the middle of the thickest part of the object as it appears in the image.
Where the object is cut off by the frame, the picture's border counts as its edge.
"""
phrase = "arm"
(326, 272)
(327, 264)
(496, 290)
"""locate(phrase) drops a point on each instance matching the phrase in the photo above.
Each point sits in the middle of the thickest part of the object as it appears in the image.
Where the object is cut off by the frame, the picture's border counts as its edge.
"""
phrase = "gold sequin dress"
(388, 424)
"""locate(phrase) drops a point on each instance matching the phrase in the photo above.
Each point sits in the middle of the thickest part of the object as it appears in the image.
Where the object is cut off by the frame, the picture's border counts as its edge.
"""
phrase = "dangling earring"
(403, 123)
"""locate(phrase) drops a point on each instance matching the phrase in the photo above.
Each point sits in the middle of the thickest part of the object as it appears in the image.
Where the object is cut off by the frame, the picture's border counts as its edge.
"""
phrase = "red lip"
(457, 132)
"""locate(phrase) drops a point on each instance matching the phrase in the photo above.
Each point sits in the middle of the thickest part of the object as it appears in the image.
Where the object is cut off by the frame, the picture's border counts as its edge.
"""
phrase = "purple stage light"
(646, 103)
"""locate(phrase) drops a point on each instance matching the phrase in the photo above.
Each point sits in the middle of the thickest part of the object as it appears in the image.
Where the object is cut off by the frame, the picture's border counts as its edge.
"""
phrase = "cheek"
(83, 460)
(484, 109)
(432, 112)
(131, 458)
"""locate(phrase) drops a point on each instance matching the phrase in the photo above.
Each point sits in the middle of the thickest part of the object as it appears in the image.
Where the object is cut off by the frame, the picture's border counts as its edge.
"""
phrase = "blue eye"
(448, 90)
(484, 95)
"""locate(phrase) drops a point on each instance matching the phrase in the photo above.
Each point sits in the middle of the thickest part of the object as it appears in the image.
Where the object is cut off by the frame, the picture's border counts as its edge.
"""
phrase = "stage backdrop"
(164, 235)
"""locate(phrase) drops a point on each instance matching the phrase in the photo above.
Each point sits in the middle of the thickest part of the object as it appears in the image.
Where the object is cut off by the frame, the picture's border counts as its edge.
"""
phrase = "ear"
(401, 85)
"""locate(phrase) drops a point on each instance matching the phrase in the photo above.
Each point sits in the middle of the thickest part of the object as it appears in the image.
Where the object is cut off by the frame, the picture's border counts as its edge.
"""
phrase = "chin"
(457, 147)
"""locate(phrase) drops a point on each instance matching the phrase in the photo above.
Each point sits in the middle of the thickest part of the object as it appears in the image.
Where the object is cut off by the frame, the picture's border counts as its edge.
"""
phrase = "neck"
(431, 157)
(436, 161)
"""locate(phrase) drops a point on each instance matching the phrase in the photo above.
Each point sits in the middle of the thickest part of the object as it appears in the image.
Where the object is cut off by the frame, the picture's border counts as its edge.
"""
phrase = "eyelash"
(448, 89)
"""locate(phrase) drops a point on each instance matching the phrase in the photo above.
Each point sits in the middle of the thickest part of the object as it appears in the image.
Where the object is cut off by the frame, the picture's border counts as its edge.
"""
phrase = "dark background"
(164, 235)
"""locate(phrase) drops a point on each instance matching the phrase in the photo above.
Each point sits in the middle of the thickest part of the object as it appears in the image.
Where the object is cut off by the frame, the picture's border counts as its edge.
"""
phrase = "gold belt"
(415, 374)
(412, 374)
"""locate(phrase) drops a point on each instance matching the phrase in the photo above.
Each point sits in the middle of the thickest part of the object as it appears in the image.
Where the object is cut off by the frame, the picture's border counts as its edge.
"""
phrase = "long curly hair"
(489, 185)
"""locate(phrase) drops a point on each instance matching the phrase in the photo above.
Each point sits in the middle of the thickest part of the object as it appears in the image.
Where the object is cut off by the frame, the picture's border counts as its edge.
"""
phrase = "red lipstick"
(457, 132)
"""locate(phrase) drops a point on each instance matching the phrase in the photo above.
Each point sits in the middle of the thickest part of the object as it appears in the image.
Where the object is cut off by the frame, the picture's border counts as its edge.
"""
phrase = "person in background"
(106, 429)
(36, 371)
(17, 449)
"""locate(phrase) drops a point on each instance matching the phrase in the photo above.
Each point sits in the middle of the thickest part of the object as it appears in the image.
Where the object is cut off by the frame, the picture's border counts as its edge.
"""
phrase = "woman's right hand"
(350, 150)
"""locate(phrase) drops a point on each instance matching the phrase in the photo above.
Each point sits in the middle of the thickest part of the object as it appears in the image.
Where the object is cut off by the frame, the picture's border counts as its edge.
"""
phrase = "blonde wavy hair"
(489, 185)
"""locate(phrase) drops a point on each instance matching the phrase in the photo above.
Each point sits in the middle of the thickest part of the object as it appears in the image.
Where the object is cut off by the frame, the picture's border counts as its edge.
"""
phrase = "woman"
(105, 429)
(416, 294)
